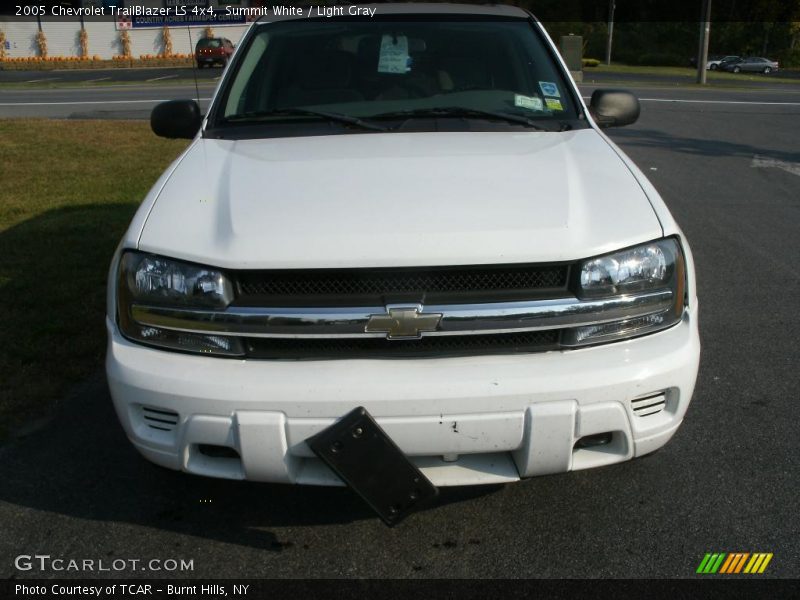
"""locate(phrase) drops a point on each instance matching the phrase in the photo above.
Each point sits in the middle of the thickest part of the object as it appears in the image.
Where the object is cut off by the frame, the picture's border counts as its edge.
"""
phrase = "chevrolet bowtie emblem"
(403, 322)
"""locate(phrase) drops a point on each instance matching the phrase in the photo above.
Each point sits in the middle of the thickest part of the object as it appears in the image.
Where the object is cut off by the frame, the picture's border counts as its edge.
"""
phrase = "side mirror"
(614, 108)
(176, 119)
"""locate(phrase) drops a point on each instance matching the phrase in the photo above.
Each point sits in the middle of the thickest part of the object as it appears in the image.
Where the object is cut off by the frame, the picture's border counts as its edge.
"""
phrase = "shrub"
(660, 59)
(125, 42)
(41, 43)
(591, 62)
(165, 34)
(84, 41)
(789, 57)
(39, 63)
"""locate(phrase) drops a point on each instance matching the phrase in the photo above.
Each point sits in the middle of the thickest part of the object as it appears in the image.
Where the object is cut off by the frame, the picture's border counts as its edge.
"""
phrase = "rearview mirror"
(614, 108)
(176, 119)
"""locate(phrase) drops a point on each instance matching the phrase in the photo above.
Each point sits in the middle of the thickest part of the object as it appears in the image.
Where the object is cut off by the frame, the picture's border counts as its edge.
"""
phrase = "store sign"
(177, 13)
(187, 20)
(175, 3)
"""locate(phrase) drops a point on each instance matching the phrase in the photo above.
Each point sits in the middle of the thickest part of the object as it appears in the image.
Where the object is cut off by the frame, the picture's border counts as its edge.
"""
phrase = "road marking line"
(118, 87)
(700, 90)
(722, 102)
(45, 79)
(712, 101)
(85, 102)
(101, 79)
(206, 99)
(765, 162)
(160, 78)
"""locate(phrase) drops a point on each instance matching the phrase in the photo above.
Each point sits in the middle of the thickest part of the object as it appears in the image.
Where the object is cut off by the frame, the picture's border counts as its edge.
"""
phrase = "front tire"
(737, 70)
(713, 67)
(767, 70)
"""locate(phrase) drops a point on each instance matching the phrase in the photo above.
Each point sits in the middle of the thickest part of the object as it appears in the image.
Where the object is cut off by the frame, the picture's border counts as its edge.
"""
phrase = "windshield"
(390, 69)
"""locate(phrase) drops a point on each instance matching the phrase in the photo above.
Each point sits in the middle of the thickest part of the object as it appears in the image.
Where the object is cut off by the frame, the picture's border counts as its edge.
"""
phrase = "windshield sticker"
(394, 56)
(549, 89)
(531, 103)
(553, 104)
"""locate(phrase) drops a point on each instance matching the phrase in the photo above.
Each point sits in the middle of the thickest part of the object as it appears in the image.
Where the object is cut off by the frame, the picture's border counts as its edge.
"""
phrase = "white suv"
(414, 215)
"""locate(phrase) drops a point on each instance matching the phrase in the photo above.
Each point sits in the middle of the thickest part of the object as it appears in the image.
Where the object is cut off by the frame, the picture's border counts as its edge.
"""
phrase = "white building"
(63, 32)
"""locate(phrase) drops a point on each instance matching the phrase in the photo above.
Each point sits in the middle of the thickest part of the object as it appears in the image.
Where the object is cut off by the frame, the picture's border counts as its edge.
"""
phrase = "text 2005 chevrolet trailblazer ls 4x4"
(412, 217)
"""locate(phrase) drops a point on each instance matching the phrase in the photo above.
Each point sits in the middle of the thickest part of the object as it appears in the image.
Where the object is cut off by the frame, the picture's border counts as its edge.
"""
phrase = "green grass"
(68, 190)
(689, 73)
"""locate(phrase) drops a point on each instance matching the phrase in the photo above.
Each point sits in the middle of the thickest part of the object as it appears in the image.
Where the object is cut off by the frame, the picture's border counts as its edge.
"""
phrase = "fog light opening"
(213, 451)
(594, 440)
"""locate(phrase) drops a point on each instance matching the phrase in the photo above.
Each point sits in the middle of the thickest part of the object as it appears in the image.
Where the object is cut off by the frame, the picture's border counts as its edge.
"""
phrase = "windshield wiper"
(260, 115)
(461, 112)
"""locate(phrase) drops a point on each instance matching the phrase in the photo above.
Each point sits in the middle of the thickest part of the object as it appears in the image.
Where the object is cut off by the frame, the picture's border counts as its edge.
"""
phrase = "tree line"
(667, 43)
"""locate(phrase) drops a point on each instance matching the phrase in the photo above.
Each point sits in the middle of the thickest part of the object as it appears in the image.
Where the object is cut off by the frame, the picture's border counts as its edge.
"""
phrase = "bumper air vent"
(651, 405)
(159, 419)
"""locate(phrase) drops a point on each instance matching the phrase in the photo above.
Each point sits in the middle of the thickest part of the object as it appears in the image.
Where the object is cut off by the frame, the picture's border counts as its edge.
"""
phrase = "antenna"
(194, 64)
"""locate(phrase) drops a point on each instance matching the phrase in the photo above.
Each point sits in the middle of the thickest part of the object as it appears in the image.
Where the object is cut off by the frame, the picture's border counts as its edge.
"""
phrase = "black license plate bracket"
(373, 466)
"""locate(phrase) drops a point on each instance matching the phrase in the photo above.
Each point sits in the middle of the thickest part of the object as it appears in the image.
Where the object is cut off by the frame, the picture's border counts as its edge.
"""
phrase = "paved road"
(106, 102)
(591, 76)
(728, 481)
(136, 100)
(157, 73)
(80, 76)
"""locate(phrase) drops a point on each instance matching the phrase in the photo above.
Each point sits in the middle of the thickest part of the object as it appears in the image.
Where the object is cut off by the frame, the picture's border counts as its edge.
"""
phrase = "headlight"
(642, 268)
(145, 279)
(655, 266)
(163, 281)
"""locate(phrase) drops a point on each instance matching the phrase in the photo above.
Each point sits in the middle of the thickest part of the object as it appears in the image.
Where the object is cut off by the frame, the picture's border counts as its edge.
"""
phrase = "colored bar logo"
(732, 563)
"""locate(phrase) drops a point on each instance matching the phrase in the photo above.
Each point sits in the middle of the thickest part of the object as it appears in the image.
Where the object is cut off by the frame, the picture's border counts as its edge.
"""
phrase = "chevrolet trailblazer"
(412, 218)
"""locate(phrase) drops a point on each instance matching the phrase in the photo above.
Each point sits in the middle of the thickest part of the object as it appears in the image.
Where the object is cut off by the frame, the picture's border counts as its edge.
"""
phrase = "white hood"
(399, 199)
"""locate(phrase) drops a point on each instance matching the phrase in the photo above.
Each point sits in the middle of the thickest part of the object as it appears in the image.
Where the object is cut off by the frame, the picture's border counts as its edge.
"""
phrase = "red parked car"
(210, 51)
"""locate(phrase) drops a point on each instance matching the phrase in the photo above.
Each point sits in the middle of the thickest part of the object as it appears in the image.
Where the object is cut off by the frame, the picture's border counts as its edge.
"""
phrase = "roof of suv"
(423, 8)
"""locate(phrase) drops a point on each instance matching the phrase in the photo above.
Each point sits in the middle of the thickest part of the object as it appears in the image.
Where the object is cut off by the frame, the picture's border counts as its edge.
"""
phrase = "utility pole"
(702, 52)
(611, 7)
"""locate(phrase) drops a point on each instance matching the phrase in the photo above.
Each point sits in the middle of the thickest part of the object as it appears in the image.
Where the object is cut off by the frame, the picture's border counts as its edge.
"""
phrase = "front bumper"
(462, 421)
